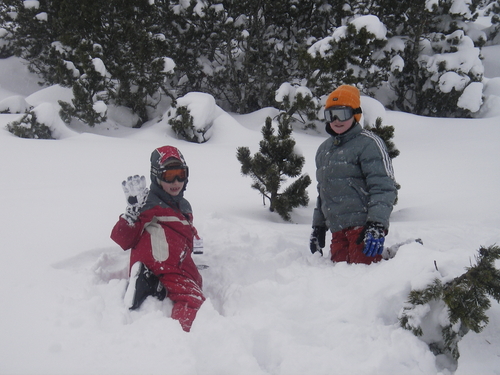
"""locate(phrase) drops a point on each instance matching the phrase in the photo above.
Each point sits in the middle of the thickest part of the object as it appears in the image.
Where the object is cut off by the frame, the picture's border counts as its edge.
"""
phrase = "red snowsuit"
(162, 239)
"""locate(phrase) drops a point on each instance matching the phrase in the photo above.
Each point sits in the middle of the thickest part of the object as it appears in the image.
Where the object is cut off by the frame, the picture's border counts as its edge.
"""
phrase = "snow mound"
(14, 104)
(48, 114)
(51, 94)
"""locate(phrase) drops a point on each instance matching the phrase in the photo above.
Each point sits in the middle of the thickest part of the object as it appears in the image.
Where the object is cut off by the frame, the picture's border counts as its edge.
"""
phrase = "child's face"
(340, 127)
(172, 188)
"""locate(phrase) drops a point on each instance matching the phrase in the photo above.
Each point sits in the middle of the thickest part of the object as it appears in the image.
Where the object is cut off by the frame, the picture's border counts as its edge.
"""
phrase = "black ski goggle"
(341, 113)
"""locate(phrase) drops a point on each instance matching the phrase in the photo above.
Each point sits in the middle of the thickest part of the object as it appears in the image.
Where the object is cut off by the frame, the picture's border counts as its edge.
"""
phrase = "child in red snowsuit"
(158, 228)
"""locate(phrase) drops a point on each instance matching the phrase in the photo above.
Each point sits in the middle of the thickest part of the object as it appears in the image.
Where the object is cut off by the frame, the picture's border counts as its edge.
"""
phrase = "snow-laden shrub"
(452, 77)
(29, 127)
(89, 96)
(183, 125)
(442, 313)
(193, 115)
(352, 54)
(41, 122)
(6, 47)
(436, 67)
(299, 103)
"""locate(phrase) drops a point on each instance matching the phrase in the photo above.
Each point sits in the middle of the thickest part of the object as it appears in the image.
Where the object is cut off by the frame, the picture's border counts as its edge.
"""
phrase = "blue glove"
(373, 235)
(317, 241)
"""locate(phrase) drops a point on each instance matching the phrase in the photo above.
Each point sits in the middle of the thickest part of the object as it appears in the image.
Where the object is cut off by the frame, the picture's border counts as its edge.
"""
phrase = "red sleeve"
(126, 235)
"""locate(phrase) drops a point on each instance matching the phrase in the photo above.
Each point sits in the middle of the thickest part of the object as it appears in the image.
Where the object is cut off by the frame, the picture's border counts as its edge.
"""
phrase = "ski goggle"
(170, 175)
(340, 113)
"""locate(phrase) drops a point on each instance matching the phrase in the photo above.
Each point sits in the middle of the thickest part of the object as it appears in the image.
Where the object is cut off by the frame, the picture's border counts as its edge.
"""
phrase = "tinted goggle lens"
(170, 175)
(339, 113)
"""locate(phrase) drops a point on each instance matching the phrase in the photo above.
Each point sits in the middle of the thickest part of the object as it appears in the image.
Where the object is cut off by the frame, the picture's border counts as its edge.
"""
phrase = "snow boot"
(142, 283)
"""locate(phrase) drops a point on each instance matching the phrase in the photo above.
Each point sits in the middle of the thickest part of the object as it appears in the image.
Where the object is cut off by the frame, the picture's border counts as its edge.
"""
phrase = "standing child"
(158, 228)
(356, 187)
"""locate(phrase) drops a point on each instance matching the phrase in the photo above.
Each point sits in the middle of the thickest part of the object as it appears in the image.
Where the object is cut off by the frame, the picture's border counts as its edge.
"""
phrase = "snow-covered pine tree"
(493, 32)
(269, 167)
(352, 54)
(183, 124)
(43, 33)
(243, 67)
(90, 99)
(299, 104)
(435, 64)
(220, 31)
(29, 127)
(6, 47)
(277, 32)
(136, 54)
(189, 42)
(59, 37)
(241, 51)
(442, 313)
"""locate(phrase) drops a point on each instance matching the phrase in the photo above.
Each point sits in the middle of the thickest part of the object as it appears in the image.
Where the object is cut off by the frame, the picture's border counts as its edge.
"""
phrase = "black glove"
(317, 241)
(373, 235)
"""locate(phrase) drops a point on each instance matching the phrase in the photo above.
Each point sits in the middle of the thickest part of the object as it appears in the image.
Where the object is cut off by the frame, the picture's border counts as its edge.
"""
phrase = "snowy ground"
(272, 307)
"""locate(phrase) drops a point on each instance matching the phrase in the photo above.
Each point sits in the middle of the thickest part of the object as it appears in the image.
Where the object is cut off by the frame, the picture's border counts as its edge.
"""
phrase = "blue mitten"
(373, 235)
(136, 194)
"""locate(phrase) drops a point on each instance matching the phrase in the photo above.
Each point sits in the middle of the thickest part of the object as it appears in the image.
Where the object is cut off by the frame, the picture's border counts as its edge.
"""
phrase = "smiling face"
(172, 188)
(340, 127)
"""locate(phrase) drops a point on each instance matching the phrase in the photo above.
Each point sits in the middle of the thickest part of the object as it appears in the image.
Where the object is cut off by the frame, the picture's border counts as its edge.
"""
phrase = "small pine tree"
(465, 298)
(275, 160)
(29, 127)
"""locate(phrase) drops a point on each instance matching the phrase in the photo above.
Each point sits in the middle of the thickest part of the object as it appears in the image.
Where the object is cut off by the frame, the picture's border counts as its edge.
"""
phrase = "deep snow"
(272, 307)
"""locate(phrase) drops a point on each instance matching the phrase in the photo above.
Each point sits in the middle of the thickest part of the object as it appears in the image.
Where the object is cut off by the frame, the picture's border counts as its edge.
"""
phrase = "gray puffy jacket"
(355, 181)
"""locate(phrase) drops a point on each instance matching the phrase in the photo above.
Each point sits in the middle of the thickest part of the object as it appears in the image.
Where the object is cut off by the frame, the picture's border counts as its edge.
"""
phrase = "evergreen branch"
(466, 299)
